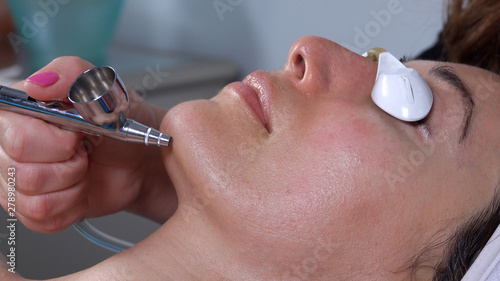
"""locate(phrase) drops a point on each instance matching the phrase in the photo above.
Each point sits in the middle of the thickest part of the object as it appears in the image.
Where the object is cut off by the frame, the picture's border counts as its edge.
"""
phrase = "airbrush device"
(99, 106)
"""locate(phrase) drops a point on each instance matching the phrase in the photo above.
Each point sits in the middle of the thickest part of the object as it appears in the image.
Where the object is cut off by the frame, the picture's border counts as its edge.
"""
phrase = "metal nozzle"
(136, 132)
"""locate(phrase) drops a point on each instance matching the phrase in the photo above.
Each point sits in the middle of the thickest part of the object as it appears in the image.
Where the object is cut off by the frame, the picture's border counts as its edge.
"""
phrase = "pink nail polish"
(44, 79)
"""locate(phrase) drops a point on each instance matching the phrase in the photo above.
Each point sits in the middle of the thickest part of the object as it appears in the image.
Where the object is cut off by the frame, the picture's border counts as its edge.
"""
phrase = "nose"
(316, 65)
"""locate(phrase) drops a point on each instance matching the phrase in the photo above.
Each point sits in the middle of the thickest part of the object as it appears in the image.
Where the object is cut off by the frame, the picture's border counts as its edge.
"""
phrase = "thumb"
(53, 81)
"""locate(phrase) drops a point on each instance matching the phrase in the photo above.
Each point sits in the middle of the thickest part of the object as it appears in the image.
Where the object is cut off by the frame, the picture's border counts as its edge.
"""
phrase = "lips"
(254, 90)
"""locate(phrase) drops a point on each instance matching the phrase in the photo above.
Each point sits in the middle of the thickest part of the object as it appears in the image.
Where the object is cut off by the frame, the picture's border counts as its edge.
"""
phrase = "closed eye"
(447, 74)
(422, 124)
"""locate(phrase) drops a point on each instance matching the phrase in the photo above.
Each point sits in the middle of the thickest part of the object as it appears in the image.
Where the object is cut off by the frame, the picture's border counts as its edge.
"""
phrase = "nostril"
(299, 66)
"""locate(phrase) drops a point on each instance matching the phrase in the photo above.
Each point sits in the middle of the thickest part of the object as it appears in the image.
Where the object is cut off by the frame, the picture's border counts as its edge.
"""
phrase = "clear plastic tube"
(100, 238)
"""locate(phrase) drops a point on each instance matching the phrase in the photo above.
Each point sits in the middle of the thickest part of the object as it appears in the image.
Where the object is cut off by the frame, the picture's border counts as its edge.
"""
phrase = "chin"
(199, 135)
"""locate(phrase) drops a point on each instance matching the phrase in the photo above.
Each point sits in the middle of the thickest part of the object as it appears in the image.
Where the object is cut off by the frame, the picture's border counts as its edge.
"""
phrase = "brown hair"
(461, 248)
(471, 34)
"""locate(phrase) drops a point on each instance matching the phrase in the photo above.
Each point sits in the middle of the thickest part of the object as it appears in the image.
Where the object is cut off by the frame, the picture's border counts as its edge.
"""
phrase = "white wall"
(256, 34)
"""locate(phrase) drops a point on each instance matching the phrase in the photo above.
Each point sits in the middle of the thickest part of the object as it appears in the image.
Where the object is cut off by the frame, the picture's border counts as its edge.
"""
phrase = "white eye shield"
(400, 91)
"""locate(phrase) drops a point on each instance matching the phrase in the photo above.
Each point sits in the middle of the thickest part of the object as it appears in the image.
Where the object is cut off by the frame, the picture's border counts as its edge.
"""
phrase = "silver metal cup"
(100, 97)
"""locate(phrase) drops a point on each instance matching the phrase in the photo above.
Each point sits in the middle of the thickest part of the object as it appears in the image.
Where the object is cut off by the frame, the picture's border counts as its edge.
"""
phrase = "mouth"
(254, 90)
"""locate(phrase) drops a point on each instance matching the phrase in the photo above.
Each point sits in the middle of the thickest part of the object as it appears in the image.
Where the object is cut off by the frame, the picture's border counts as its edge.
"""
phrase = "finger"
(18, 85)
(40, 208)
(53, 81)
(27, 139)
(40, 178)
(56, 223)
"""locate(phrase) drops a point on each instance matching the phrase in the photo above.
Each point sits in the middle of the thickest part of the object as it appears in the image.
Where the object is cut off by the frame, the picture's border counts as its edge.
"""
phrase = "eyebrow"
(447, 74)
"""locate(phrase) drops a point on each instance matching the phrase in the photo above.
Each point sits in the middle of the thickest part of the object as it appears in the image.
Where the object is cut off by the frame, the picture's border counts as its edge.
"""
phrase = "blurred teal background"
(49, 29)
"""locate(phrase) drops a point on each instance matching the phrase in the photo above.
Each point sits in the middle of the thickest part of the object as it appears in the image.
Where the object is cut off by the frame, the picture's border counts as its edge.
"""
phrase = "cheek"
(213, 149)
(352, 183)
(196, 143)
(325, 184)
(323, 173)
(345, 131)
(346, 167)
(359, 140)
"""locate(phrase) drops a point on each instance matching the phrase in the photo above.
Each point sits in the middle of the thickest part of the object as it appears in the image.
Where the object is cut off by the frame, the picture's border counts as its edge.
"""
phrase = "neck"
(190, 247)
(184, 248)
(194, 248)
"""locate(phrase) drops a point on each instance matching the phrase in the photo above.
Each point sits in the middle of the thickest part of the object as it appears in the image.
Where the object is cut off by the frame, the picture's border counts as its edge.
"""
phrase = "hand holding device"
(99, 107)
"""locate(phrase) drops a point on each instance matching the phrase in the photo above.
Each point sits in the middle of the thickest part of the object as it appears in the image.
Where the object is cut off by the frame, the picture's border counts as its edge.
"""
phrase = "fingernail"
(44, 79)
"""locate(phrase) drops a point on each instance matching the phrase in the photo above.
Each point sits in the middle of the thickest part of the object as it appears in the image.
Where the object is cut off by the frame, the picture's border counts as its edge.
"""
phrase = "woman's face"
(300, 167)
